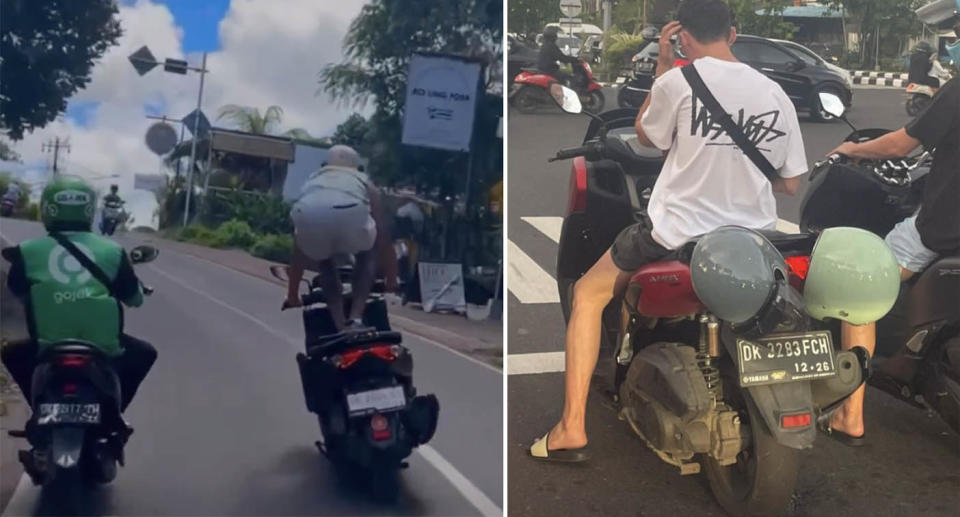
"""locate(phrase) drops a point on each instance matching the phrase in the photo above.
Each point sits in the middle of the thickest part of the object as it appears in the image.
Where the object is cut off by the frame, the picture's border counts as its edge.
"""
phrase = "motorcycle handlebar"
(573, 152)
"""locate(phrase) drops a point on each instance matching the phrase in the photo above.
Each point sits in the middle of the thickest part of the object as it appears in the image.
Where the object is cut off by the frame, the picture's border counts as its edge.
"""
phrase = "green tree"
(249, 119)
(769, 24)
(896, 20)
(378, 47)
(530, 16)
(355, 132)
(48, 49)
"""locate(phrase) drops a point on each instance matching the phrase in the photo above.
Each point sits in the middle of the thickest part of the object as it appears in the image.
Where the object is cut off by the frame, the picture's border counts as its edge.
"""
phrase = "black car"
(801, 76)
(520, 55)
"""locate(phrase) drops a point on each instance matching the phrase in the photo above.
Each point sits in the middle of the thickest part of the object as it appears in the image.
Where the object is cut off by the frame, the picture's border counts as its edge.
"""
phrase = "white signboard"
(441, 287)
(150, 182)
(441, 100)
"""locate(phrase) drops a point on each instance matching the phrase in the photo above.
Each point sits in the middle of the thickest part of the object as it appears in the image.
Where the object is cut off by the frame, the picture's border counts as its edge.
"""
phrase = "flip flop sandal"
(823, 425)
(540, 452)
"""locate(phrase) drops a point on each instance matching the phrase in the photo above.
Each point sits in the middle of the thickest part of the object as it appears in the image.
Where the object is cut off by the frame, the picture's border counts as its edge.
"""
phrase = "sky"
(261, 52)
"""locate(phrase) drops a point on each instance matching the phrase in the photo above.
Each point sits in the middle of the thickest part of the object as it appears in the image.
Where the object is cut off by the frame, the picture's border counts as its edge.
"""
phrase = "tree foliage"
(896, 20)
(530, 16)
(48, 49)
(250, 120)
(378, 47)
(770, 24)
(356, 132)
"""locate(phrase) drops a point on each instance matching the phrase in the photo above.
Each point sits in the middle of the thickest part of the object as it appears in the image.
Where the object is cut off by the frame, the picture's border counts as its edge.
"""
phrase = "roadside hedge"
(238, 234)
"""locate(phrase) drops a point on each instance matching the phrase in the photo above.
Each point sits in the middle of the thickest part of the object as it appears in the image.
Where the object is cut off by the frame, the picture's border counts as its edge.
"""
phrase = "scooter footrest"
(17, 434)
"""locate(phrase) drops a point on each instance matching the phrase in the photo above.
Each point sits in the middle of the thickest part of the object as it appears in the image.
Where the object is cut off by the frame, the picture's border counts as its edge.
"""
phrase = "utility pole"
(55, 146)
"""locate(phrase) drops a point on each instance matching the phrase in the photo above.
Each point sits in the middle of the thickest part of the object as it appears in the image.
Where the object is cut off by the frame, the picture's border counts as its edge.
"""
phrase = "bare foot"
(840, 421)
(561, 438)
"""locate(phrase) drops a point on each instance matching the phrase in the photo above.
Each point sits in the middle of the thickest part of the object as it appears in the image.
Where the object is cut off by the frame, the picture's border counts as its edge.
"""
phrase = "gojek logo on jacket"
(66, 269)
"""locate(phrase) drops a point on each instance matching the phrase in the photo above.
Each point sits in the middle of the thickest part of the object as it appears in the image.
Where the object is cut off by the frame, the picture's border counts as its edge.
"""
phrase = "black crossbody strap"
(723, 118)
(85, 261)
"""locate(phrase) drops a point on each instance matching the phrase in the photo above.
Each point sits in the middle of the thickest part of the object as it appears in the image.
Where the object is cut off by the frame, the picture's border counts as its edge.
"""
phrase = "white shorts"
(330, 225)
(904, 241)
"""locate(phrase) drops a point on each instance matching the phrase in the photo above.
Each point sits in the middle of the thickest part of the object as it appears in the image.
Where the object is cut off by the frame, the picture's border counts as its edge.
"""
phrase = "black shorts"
(635, 248)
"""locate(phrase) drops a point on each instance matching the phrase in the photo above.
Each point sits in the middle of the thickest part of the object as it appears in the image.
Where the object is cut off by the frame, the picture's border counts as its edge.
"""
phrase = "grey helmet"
(736, 273)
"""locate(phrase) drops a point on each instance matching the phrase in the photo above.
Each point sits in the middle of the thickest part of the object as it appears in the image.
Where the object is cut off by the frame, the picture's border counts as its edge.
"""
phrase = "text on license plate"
(382, 399)
(784, 358)
(60, 413)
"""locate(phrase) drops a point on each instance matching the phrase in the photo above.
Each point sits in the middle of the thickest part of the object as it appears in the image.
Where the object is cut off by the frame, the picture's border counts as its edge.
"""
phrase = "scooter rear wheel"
(594, 102)
(384, 483)
(764, 477)
(526, 100)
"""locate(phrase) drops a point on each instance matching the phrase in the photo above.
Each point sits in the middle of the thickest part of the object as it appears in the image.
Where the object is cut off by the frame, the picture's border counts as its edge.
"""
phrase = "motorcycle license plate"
(60, 413)
(777, 359)
(383, 399)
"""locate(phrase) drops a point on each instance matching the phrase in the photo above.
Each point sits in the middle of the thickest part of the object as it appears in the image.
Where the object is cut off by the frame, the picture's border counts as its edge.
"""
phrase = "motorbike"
(683, 379)
(917, 359)
(77, 432)
(111, 216)
(920, 95)
(7, 205)
(531, 89)
(643, 65)
(360, 386)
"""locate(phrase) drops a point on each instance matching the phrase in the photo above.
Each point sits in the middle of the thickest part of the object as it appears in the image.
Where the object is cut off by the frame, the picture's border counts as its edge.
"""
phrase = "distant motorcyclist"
(339, 213)
(64, 300)
(113, 200)
(550, 55)
(921, 62)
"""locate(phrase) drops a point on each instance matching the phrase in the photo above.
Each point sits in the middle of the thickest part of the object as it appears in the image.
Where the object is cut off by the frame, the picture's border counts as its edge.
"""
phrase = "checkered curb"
(889, 79)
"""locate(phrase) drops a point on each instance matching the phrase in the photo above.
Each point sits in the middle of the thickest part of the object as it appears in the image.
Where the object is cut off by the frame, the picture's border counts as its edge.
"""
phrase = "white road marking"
(467, 489)
(542, 362)
(23, 487)
(549, 226)
(528, 281)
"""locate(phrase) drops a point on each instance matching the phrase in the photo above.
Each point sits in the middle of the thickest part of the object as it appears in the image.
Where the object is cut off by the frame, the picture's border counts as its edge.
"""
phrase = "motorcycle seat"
(75, 347)
(335, 343)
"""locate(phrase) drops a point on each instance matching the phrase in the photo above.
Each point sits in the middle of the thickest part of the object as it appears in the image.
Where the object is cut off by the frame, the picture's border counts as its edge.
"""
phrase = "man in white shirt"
(339, 213)
(706, 182)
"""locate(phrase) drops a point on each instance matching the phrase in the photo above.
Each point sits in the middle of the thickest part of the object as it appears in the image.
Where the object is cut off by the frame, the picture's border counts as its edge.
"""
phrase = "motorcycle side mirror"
(143, 254)
(567, 99)
(834, 106)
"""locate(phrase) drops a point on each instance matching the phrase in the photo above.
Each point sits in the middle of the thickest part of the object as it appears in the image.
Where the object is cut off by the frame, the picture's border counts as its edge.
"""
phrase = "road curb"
(474, 348)
(888, 79)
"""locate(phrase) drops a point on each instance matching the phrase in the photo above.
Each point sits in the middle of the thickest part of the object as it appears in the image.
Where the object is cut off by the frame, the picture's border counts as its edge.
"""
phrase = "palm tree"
(249, 119)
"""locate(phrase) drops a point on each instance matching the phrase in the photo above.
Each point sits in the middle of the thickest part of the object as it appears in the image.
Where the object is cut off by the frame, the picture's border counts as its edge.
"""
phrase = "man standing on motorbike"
(64, 300)
(339, 213)
(706, 182)
(917, 240)
(550, 55)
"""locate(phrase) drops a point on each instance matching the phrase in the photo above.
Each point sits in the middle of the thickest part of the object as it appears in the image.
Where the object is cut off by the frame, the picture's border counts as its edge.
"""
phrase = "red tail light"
(73, 361)
(578, 186)
(380, 427)
(799, 266)
(792, 421)
(69, 388)
(385, 352)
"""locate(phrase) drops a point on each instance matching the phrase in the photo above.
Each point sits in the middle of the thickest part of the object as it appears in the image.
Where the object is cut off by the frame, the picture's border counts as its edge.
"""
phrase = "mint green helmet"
(853, 277)
(67, 204)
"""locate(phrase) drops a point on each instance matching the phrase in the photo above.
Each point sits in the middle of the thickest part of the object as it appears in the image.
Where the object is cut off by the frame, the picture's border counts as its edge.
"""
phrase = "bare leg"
(362, 283)
(848, 418)
(590, 295)
(333, 290)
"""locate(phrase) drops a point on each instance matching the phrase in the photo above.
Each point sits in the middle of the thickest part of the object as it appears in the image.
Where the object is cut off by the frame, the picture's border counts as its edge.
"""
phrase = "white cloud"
(270, 53)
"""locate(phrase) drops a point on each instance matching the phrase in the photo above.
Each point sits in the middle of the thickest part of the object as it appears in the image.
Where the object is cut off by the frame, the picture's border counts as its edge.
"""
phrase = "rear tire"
(526, 99)
(384, 483)
(762, 481)
(595, 102)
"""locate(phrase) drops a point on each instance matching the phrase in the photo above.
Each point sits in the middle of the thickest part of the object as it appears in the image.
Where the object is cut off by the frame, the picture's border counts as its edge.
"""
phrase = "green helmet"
(67, 204)
(853, 277)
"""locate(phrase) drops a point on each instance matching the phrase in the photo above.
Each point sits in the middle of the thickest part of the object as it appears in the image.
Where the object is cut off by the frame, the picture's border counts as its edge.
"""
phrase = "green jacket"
(63, 300)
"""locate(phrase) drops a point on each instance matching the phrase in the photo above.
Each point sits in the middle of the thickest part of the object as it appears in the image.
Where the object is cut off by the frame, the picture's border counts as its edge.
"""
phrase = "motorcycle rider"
(919, 239)
(63, 300)
(706, 182)
(550, 54)
(921, 62)
(339, 213)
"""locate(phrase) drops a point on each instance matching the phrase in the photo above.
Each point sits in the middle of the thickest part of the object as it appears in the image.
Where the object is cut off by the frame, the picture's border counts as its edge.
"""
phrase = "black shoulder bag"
(723, 118)
(85, 261)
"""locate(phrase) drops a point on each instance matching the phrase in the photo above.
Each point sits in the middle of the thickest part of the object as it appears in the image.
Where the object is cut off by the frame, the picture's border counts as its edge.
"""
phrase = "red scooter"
(531, 89)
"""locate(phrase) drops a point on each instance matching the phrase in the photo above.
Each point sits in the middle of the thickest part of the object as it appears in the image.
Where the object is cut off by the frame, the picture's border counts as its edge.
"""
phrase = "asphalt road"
(911, 465)
(221, 428)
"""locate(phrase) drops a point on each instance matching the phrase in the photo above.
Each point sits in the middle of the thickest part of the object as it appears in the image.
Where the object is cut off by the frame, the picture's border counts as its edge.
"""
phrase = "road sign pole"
(193, 145)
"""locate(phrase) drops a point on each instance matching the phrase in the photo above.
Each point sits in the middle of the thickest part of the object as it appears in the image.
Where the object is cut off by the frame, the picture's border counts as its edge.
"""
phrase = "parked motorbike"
(110, 217)
(531, 89)
(917, 359)
(360, 385)
(77, 432)
(675, 368)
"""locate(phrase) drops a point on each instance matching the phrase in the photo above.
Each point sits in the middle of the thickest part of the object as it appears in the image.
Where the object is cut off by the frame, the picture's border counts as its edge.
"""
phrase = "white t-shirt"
(333, 185)
(707, 181)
